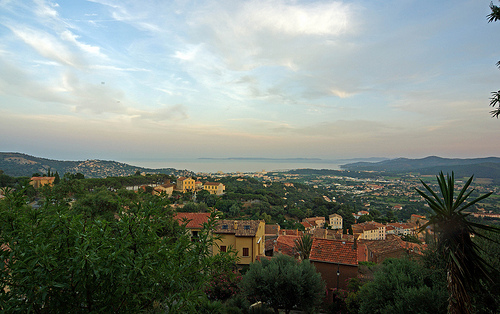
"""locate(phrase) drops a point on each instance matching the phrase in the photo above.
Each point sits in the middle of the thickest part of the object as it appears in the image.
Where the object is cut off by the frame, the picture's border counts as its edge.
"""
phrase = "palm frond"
(495, 13)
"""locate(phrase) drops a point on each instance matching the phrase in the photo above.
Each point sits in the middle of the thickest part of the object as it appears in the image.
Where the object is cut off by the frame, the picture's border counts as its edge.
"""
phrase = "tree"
(464, 265)
(58, 261)
(284, 283)
(303, 246)
(495, 96)
(403, 286)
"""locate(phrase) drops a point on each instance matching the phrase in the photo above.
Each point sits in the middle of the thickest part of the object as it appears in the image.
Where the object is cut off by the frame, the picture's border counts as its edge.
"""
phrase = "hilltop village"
(334, 243)
(343, 226)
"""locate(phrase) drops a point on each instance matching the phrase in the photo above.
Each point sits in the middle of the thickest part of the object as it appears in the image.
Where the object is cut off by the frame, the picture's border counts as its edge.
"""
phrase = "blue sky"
(125, 80)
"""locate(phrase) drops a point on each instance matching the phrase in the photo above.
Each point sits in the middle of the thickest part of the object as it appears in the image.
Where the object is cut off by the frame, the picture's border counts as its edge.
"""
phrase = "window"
(223, 248)
(224, 227)
(245, 252)
(246, 227)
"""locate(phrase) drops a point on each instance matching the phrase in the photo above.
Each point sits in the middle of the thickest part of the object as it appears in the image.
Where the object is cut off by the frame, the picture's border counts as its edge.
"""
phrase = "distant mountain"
(20, 165)
(260, 159)
(488, 167)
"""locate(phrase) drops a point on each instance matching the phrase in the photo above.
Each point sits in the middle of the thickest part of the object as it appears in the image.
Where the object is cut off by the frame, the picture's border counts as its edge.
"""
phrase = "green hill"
(479, 167)
(19, 165)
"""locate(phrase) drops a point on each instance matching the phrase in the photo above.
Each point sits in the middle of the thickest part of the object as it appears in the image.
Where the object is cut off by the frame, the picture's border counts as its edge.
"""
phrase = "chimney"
(355, 246)
(235, 225)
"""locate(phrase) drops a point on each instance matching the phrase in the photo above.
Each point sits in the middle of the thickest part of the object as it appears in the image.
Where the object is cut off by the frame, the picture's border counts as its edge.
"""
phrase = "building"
(335, 221)
(194, 221)
(247, 237)
(285, 244)
(419, 220)
(403, 228)
(336, 261)
(167, 188)
(185, 184)
(38, 182)
(316, 222)
(216, 188)
(369, 230)
(391, 247)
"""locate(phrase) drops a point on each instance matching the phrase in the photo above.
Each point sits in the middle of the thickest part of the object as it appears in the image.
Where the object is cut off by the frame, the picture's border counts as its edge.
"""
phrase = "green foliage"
(495, 96)
(404, 286)
(303, 246)
(59, 261)
(411, 238)
(284, 283)
(98, 203)
(465, 266)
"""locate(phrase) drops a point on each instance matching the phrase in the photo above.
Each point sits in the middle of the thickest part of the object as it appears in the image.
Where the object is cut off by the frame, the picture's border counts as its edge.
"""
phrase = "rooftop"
(333, 251)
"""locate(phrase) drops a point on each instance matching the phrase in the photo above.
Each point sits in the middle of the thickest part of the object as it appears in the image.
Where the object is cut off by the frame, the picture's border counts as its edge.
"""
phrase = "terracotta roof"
(181, 178)
(285, 244)
(307, 224)
(212, 183)
(333, 251)
(392, 243)
(195, 220)
(365, 226)
(272, 229)
(244, 228)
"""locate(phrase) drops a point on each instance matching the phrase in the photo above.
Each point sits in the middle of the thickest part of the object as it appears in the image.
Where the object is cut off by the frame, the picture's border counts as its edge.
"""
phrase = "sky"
(131, 79)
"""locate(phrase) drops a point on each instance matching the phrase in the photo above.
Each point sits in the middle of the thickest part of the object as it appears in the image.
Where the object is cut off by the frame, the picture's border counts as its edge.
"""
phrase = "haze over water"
(235, 165)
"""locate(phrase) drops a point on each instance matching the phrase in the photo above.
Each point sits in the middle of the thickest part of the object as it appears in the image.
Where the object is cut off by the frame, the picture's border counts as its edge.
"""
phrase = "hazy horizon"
(115, 80)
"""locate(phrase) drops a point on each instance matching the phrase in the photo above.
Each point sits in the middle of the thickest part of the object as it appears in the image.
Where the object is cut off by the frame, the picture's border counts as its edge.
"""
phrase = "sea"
(232, 165)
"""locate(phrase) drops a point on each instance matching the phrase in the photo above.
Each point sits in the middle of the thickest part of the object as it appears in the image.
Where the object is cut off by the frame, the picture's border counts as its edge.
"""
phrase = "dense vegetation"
(91, 245)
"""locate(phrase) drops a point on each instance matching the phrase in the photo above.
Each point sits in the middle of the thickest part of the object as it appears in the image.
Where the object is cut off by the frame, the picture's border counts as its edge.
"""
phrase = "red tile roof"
(285, 244)
(306, 224)
(195, 220)
(333, 251)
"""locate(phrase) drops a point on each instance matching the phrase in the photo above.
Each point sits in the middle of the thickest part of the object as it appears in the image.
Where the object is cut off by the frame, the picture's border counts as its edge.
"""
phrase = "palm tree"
(464, 265)
(303, 246)
(495, 97)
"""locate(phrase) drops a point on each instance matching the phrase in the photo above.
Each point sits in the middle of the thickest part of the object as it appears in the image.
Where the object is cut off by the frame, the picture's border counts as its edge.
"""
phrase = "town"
(340, 224)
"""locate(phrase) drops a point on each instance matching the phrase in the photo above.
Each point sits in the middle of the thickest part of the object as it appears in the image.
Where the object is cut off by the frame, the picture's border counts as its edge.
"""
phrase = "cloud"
(172, 113)
(47, 45)
(72, 38)
(46, 10)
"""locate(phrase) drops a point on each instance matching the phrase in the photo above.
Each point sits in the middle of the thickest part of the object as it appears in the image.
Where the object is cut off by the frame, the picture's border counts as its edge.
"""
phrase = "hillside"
(479, 167)
(19, 165)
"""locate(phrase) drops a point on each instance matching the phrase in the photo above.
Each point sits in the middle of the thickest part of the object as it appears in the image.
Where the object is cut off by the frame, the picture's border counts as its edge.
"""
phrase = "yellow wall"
(186, 184)
(238, 243)
(41, 181)
(214, 189)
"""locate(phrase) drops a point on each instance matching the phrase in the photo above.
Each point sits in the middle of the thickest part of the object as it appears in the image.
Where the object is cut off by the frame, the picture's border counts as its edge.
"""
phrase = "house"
(360, 213)
(194, 221)
(216, 188)
(419, 220)
(335, 221)
(185, 184)
(307, 226)
(291, 232)
(272, 230)
(336, 261)
(369, 230)
(38, 182)
(167, 188)
(315, 221)
(391, 247)
(247, 237)
(403, 228)
(285, 244)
